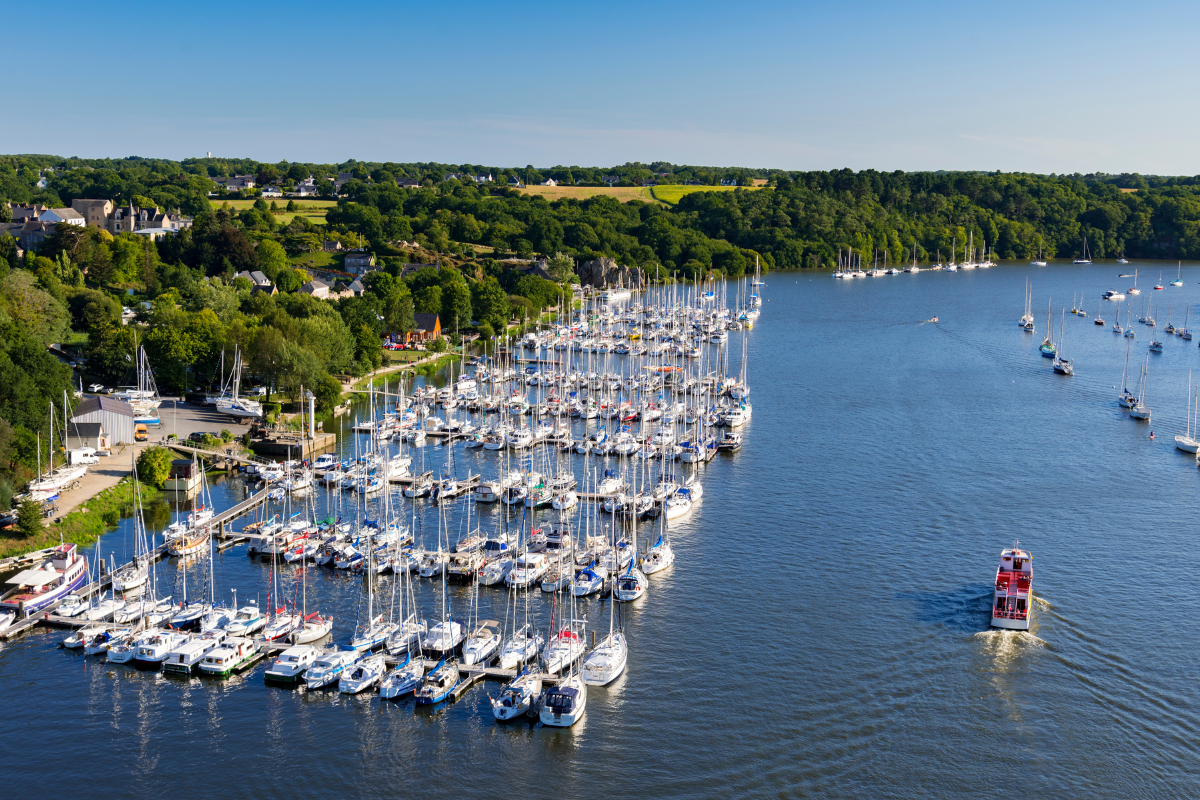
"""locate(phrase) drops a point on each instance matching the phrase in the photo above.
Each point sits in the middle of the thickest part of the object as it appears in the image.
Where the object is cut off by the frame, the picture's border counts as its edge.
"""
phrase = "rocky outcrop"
(605, 272)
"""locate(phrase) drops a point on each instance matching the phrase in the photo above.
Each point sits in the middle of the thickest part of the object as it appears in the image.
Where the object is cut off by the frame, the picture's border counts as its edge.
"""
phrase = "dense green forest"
(191, 308)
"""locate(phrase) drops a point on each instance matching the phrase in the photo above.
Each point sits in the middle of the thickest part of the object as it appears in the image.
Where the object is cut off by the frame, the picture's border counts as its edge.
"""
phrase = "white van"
(84, 455)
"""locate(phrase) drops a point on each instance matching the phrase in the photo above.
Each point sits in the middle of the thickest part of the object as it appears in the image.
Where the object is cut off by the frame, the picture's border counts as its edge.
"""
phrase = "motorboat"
(72, 606)
(233, 655)
(527, 570)
(154, 649)
(563, 705)
(1013, 599)
(246, 621)
(291, 664)
(98, 643)
(444, 639)
(329, 666)
(186, 657)
(363, 675)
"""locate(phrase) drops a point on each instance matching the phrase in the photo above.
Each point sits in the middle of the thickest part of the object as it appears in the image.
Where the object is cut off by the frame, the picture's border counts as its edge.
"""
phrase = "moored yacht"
(291, 664)
(563, 705)
(518, 696)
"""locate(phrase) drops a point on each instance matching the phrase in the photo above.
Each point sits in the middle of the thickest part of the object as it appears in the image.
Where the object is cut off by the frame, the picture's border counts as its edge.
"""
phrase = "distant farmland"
(622, 193)
(312, 210)
(673, 194)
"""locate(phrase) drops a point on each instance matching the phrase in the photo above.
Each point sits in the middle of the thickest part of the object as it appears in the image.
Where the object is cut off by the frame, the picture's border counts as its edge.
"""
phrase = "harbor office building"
(114, 416)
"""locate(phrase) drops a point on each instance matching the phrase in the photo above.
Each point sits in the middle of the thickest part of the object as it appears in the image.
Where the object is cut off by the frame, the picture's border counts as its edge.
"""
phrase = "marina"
(880, 437)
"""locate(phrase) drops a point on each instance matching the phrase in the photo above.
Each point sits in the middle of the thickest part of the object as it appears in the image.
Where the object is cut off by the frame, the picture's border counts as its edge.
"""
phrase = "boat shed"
(114, 416)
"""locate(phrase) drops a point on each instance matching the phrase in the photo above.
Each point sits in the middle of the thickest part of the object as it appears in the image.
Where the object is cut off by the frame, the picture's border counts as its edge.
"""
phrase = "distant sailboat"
(1178, 276)
(1187, 443)
(1040, 261)
(1087, 258)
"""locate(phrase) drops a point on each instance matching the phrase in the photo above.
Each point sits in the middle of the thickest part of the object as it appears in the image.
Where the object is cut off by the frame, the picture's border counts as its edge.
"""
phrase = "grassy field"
(673, 194)
(315, 260)
(314, 210)
(622, 193)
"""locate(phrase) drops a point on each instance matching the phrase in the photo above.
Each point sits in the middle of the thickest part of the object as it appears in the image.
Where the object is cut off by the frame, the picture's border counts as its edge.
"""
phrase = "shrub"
(29, 519)
(154, 466)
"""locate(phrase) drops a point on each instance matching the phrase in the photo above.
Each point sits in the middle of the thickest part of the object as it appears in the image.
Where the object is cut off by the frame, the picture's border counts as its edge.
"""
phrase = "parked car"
(96, 387)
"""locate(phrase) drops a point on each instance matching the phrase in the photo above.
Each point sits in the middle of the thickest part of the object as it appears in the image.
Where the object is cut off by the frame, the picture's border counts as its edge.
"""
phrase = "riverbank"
(87, 523)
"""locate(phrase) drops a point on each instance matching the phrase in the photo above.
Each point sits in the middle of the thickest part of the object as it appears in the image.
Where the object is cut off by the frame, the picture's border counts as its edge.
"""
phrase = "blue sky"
(1041, 87)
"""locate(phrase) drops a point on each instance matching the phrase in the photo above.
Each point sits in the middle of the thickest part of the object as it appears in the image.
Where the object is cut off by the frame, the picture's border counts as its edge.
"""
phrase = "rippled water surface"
(824, 629)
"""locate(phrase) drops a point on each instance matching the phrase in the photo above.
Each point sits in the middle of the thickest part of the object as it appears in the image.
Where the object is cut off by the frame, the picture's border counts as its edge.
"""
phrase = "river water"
(824, 629)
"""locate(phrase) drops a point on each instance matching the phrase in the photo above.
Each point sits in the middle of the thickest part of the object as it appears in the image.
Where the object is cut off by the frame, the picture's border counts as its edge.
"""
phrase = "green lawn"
(315, 206)
(673, 194)
(315, 260)
(314, 210)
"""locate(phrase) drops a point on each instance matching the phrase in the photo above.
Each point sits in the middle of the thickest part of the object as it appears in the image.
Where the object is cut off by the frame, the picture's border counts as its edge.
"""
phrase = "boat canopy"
(35, 577)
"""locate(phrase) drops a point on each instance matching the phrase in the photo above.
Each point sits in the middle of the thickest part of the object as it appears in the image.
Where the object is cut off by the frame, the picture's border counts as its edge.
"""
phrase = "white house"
(549, 182)
(485, 178)
(271, 191)
(307, 190)
(53, 216)
(316, 288)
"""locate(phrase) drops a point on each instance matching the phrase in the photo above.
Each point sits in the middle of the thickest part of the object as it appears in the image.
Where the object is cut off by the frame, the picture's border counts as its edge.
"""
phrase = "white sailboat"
(1086, 258)
(1187, 442)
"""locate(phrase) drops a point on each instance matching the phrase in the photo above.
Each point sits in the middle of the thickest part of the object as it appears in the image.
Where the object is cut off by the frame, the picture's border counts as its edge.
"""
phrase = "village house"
(428, 328)
(610, 179)
(239, 182)
(408, 183)
(258, 280)
(549, 182)
(272, 191)
(29, 234)
(128, 219)
(53, 216)
(485, 178)
(316, 288)
(360, 263)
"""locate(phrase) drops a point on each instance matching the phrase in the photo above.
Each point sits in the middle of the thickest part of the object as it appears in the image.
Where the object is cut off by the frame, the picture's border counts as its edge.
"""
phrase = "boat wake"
(1043, 602)
(1004, 644)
